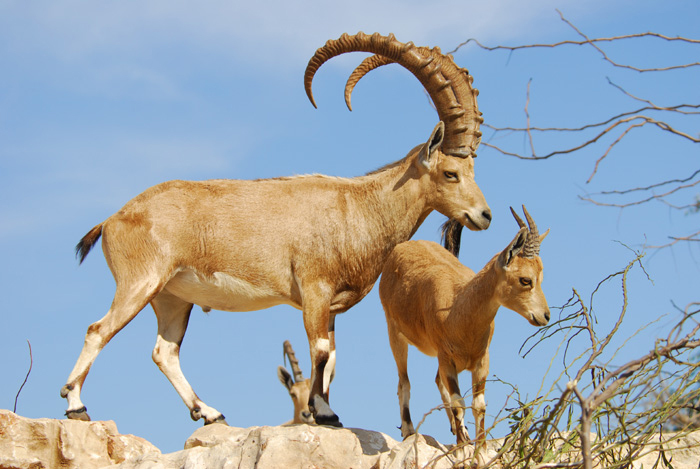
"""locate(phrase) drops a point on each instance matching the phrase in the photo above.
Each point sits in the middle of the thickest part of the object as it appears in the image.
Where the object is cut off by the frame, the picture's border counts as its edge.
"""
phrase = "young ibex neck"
(476, 300)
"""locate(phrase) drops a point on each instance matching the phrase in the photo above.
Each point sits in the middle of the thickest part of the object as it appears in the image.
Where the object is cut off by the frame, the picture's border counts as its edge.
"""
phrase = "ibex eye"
(450, 175)
(525, 282)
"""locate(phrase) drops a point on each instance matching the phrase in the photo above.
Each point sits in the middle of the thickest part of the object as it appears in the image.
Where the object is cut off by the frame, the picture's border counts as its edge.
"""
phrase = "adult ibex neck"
(401, 198)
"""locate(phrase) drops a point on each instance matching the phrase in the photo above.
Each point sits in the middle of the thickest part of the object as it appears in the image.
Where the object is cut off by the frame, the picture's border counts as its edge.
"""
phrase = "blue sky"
(101, 100)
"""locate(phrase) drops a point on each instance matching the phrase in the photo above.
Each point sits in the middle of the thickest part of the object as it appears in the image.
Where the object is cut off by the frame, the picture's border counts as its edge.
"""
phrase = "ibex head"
(521, 264)
(447, 158)
(298, 387)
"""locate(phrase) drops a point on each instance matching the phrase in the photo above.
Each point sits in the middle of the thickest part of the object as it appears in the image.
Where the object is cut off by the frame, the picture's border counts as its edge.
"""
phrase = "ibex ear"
(426, 154)
(542, 236)
(513, 249)
(285, 377)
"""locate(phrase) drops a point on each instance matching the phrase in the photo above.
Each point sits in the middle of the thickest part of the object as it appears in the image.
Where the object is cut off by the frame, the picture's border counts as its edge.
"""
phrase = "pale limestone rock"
(682, 451)
(46, 443)
(297, 446)
(49, 443)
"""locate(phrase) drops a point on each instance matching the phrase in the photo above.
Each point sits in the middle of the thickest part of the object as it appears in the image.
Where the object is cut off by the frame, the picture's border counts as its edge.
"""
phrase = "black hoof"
(220, 419)
(323, 415)
(330, 420)
(78, 414)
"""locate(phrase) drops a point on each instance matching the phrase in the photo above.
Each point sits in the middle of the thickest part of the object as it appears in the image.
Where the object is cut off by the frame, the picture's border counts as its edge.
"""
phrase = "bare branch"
(527, 116)
(622, 135)
(695, 237)
(593, 42)
(31, 363)
(651, 187)
(616, 121)
(597, 420)
(641, 201)
(547, 142)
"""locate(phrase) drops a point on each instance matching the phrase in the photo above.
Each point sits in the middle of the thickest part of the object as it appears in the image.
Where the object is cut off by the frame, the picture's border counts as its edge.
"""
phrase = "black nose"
(486, 214)
(546, 316)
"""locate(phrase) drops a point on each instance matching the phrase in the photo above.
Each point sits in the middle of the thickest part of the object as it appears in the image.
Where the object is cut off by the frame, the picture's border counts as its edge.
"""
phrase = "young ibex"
(316, 243)
(298, 387)
(444, 309)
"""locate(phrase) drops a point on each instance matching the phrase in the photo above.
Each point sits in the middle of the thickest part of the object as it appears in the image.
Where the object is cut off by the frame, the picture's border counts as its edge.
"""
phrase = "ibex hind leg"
(399, 348)
(173, 314)
(128, 302)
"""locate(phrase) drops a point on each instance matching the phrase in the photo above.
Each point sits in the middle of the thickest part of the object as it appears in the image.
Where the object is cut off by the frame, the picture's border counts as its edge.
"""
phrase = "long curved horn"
(532, 243)
(449, 86)
(370, 63)
(289, 352)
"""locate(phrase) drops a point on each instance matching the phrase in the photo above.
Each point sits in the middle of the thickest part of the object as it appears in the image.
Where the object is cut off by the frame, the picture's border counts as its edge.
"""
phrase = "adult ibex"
(298, 387)
(316, 243)
(444, 309)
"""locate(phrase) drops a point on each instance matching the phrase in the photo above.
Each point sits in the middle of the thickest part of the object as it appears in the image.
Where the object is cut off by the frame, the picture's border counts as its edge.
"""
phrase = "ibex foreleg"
(173, 314)
(317, 321)
(399, 347)
(329, 370)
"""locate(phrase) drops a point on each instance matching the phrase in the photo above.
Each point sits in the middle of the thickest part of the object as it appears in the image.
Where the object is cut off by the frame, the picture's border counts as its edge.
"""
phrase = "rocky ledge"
(52, 444)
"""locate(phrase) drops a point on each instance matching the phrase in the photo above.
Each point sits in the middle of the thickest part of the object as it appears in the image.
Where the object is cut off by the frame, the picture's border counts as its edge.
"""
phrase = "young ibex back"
(444, 309)
(316, 243)
(298, 387)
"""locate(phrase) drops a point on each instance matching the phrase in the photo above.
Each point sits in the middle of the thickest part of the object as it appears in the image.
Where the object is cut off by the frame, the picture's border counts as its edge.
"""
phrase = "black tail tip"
(81, 251)
(452, 236)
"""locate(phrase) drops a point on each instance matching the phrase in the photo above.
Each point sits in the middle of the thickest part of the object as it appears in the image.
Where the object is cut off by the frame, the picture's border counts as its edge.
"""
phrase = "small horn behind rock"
(293, 362)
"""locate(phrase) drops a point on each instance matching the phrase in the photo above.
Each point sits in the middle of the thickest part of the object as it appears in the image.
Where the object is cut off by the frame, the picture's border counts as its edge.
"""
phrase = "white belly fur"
(223, 292)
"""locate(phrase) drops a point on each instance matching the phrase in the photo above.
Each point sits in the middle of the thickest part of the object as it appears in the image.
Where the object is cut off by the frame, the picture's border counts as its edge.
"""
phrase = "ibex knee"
(163, 353)
(479, 404)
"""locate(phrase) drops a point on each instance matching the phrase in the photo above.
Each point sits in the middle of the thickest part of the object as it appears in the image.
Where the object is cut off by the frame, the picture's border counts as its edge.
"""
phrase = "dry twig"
(31, 363)
(596, 417)
(613, 129)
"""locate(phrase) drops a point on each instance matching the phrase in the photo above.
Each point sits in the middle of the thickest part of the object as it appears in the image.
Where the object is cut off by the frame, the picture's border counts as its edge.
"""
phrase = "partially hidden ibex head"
(299, 388)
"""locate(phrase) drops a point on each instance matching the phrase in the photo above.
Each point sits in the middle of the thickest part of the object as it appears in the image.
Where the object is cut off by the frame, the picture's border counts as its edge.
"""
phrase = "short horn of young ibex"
(298, 387)
(444, 309)
(316, 243)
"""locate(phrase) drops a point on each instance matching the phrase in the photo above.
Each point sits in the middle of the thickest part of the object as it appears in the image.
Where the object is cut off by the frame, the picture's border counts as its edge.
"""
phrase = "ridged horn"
(370, 63)
(521, 223)
(289, 353)
(532, 243)
(449, 86)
